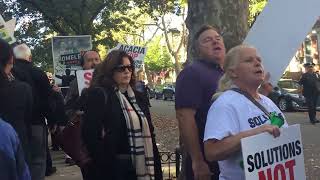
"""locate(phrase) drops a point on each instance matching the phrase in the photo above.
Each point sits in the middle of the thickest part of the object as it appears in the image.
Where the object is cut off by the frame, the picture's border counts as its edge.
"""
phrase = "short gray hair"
(22, 51)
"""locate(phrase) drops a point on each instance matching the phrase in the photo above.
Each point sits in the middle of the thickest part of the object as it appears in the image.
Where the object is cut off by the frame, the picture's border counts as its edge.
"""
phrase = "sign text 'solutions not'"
(269, 158)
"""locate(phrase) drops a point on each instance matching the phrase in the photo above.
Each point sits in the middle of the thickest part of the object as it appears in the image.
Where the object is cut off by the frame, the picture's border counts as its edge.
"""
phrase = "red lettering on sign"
(289, 165)
(87, 78)
(262, 176)
(279, 168)
(133, 55)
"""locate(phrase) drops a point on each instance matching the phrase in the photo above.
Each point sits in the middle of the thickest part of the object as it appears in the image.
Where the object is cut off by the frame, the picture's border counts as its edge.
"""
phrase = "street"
(167, 138)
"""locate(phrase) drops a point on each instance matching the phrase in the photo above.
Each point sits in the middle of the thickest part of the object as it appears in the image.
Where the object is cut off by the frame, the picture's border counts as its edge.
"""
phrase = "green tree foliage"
(255, 8)
(39, 19)
(158, 57)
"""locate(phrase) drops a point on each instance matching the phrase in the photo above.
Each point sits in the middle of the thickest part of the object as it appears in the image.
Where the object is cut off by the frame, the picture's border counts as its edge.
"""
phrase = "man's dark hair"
(68, 71)
(202, 29)
(5, 56)
(196, 36)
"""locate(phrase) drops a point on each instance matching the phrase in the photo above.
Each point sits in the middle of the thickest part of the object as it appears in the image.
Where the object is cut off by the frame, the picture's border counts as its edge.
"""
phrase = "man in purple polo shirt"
(194, 89)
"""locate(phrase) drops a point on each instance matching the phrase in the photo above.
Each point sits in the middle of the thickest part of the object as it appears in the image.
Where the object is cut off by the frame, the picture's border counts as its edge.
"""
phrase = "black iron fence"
(171, 164)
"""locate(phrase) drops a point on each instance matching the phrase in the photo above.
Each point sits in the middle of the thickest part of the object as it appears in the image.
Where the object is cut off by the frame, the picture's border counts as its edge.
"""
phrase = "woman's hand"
(273, 130)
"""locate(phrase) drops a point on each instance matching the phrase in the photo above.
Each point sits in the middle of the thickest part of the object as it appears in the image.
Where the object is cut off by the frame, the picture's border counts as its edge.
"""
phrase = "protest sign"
(67, 52)
(279, 30)
(84, 78)
(11, 25)
(136, 52)
(269, 158)
(5, 32)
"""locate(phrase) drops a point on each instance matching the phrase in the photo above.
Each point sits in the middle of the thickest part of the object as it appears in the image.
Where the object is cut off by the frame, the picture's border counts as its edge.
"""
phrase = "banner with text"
(136, 52)
(67, 51)
(84, 78)
(269, 158)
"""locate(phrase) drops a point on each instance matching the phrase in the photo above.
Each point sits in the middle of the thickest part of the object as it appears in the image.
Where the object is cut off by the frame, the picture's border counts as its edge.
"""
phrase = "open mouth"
(259, 72)
(217, 48)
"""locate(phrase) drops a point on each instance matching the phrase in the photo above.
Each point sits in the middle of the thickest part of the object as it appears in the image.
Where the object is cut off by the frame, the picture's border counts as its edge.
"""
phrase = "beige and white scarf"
(139, 135)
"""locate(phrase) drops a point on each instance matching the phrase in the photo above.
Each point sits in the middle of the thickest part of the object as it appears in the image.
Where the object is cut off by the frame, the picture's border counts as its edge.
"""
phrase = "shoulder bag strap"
(247, 95)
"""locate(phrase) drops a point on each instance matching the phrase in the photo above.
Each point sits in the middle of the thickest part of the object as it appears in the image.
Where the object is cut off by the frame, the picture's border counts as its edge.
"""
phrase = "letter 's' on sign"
(280, 29)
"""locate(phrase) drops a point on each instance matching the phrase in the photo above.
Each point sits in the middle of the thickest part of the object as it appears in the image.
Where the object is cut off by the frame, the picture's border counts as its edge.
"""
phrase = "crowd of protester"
(215, 96)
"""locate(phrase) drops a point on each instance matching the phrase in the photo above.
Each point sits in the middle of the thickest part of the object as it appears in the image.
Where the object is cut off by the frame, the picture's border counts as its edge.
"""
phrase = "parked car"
(158, 94)
(287, 96)
(165, 93)
(152, 93)
(168, 94)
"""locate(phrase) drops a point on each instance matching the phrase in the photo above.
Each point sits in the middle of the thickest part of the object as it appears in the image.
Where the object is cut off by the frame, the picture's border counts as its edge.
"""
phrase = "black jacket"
(309, 82)
(110, 116)
(16, 109)
(41, 89)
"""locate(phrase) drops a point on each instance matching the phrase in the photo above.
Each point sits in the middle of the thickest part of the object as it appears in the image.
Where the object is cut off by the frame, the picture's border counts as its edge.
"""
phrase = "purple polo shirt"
(194, 89)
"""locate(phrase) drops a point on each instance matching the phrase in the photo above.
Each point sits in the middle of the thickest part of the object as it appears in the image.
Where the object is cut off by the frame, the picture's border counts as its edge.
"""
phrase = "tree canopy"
(255, 7)
(39, 20)
(158, 58)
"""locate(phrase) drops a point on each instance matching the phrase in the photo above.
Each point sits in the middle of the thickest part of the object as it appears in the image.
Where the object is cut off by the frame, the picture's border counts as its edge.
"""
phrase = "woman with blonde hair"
(239, 111)
(117, 128)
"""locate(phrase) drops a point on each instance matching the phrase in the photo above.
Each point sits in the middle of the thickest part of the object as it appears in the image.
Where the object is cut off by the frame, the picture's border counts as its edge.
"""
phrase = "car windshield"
(289, 85)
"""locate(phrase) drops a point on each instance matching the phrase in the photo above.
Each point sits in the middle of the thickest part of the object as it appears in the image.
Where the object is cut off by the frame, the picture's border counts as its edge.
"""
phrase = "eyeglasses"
(122, 68)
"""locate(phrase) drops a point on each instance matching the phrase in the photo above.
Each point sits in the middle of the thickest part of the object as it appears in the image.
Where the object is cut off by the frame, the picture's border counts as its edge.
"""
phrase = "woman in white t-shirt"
(233, 116)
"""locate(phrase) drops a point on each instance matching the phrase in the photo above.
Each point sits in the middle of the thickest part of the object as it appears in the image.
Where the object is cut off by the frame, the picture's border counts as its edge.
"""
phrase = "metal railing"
(171, 164)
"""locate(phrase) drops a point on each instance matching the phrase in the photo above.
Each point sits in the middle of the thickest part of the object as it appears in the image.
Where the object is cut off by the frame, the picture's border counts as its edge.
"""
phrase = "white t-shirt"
(230, 114)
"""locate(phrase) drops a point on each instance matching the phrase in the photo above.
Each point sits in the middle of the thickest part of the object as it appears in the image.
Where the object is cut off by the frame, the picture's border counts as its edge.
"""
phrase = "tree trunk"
(229, 16)
(177, 68)
(149, 77)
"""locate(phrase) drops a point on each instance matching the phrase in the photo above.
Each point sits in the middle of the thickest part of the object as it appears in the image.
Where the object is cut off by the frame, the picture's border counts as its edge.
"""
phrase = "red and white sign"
(136, 52)
(269, 158)
(84, 78)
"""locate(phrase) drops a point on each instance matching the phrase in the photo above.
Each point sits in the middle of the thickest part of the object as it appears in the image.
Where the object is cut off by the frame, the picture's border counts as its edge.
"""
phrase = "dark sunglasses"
(122, 68)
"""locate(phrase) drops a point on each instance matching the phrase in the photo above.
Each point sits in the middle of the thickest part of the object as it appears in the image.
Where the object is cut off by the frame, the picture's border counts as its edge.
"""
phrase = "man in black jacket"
(309, 80)
(89, 60)
(41, 90)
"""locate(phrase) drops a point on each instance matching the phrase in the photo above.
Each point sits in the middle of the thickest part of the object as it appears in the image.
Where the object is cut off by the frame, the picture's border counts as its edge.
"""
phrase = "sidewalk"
(310, 136)
(64, 171)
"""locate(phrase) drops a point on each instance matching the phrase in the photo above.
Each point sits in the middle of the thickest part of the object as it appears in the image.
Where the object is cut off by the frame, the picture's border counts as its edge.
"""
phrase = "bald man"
(88, 61)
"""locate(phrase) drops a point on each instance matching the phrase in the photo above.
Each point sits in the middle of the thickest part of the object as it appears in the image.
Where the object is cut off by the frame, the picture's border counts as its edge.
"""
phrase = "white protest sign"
(5, 31)
(11, 25)
(136, 52)
(279, 30)
(269, 158)
(84, 78)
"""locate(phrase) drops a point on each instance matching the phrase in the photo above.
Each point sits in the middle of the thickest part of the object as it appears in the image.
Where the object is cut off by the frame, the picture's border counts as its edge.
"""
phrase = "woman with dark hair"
(117, 129)
(15, 100)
